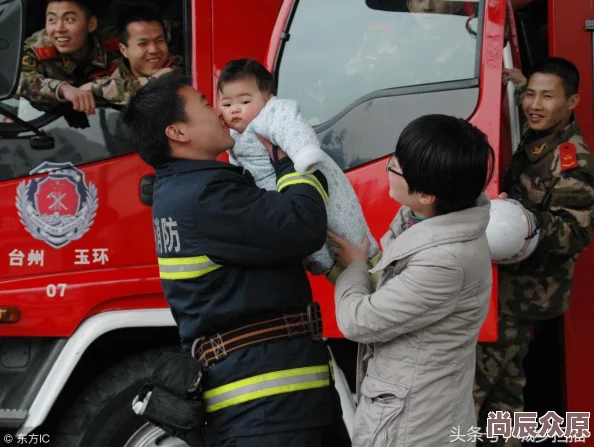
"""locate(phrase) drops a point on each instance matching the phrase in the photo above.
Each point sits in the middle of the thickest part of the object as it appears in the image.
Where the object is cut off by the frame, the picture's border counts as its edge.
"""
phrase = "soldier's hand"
(81, 100)
(86, 87)
(162, 71)
(515, 75)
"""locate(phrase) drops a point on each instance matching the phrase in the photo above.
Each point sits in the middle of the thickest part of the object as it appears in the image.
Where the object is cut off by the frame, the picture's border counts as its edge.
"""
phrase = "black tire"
(102, 416)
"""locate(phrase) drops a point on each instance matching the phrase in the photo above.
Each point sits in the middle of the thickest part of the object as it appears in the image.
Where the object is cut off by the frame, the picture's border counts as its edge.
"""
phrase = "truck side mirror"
(11, 41)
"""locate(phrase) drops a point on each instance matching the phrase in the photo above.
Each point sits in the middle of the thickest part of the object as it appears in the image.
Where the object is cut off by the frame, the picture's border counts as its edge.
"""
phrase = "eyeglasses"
(389, 167)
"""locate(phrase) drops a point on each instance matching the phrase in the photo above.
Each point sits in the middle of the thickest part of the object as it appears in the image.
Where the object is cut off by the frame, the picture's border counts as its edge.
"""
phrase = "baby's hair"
(240, 69)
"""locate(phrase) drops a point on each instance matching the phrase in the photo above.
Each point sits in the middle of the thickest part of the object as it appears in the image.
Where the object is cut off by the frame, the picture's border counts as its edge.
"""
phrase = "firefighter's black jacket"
(257, 239)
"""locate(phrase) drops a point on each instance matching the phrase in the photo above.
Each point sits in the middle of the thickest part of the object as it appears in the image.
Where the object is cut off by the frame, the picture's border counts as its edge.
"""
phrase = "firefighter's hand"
(347, 253)
(515, 75)
(82, 101)
(269, 147)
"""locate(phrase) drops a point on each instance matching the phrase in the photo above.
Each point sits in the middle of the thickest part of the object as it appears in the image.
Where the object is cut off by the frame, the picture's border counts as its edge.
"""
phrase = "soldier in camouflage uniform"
(65, 55)
(552, 175)
(145, 55)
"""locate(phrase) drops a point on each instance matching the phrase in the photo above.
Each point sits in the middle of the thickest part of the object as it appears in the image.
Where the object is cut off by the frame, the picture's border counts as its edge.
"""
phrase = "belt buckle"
(197, 348)
(314, 319)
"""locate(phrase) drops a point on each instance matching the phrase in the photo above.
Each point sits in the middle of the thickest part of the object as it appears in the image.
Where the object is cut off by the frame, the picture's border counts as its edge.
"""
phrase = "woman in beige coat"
(418, 329)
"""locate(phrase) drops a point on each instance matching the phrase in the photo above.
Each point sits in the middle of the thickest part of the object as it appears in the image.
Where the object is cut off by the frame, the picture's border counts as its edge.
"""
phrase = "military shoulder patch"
(29, 61)
(567, 156)
(537, 150)
(46, 53)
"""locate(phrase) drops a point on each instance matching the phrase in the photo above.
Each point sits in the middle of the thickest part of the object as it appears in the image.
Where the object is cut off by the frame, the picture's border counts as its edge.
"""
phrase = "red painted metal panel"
(569, 39)
(114, 260)
(241, 29)
(202, 47)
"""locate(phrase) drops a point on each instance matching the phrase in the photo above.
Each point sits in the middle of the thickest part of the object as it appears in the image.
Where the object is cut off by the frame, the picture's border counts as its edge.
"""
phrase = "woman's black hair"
(446, 157)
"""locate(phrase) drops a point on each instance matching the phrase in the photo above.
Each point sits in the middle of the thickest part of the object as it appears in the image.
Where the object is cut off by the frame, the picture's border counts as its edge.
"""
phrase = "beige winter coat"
(419, 329)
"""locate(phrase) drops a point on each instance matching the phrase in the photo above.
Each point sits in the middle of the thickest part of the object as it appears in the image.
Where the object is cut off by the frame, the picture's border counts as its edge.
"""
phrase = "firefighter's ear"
(176, 133)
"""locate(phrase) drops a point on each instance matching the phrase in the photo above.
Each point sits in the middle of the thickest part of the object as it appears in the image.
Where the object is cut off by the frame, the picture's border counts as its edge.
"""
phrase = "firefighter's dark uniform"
(230, 254)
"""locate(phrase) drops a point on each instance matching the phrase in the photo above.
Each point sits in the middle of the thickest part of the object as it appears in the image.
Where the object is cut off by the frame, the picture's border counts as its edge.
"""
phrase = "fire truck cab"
(83, 319)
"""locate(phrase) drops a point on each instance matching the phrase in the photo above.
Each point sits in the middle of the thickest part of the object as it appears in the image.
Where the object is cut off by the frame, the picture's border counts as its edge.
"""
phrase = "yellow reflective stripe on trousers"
(265, 385)
(295, 178)
(186, 268)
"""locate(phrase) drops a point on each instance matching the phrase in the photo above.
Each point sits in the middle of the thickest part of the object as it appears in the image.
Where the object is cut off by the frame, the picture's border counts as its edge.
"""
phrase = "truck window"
(77, 138)
(340, 54)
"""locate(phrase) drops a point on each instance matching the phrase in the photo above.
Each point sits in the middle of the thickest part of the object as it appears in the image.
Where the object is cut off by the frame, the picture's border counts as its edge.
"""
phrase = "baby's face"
(240, 102)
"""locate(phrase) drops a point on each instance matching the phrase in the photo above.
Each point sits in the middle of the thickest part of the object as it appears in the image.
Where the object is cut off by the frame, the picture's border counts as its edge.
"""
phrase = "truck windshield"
(341, 51)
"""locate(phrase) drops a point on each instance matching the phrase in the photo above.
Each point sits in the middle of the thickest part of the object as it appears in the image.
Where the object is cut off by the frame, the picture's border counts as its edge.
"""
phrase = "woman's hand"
(346, 253)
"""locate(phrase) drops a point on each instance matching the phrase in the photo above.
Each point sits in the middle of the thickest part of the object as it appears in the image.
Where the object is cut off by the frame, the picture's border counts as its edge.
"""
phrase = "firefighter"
(68, 52)
(552, 175)
(230, 260)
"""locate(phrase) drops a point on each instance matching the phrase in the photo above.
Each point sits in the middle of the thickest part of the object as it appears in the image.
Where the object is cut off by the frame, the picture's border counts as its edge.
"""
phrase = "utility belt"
(173, 398)
(214, 349)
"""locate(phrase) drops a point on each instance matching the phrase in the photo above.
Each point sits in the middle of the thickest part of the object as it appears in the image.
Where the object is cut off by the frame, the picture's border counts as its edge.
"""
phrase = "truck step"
(12, 418)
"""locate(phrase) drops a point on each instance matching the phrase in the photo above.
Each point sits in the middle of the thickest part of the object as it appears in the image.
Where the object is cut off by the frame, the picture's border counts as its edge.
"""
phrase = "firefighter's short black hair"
(446, 157)
(246, 68)
(154, 107)
(566, 70)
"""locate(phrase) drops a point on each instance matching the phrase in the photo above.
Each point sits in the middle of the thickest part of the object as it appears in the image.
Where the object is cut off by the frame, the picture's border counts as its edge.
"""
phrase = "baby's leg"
(345, 218)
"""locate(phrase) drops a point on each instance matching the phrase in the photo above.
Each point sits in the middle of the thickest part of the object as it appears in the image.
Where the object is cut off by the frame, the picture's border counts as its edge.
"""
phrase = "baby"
(249, 108)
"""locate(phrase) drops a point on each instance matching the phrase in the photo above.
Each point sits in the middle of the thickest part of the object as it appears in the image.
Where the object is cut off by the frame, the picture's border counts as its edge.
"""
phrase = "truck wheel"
(102, 415)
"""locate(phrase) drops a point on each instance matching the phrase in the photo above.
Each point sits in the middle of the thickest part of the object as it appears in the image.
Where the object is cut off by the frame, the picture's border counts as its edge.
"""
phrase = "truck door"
(362, 71)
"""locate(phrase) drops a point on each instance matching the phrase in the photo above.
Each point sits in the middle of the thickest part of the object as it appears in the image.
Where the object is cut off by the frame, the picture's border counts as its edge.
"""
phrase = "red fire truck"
(82, 314)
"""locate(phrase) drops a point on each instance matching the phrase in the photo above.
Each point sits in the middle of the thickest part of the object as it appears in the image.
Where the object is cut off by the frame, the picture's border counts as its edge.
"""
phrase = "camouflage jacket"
(553, 176)
(44, 69)
(119, 87)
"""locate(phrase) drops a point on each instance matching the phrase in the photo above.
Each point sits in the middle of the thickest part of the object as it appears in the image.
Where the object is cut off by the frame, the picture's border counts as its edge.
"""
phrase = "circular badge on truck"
(58, 208)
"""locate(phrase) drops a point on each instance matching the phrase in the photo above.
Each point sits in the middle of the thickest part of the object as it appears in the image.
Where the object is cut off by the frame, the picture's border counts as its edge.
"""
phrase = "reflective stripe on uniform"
(186, 268)
(295, 178)
(265, 385)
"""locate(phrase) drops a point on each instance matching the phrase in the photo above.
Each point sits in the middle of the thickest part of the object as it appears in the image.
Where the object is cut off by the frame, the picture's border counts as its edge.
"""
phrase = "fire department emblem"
(58, 208)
